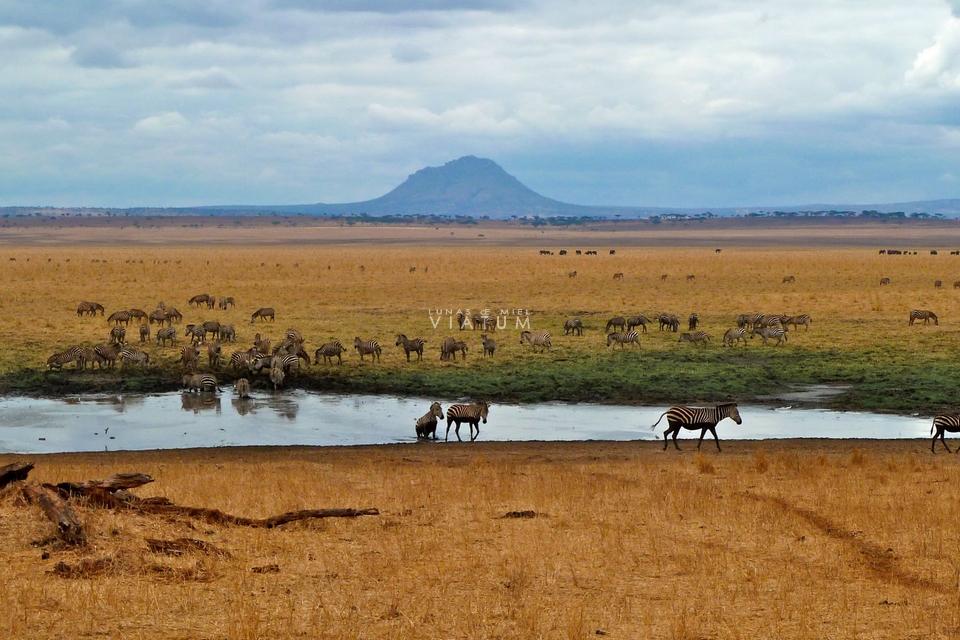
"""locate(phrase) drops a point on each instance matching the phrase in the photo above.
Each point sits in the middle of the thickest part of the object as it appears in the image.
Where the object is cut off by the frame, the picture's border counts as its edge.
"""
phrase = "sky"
(681, 103)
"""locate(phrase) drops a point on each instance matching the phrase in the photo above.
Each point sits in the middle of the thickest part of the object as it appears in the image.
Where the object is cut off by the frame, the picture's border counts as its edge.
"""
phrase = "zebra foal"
(427, 424)
(703, 418)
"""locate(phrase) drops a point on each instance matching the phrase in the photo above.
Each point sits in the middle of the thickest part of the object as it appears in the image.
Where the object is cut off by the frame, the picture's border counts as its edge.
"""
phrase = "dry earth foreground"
(786, 539)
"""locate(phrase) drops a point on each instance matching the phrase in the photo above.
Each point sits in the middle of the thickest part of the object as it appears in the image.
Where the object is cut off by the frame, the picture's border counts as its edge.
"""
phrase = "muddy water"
(179, 420)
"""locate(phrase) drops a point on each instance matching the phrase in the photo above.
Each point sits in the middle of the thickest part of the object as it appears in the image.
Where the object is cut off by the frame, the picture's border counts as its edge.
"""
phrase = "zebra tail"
(933, 425)
(654, 425)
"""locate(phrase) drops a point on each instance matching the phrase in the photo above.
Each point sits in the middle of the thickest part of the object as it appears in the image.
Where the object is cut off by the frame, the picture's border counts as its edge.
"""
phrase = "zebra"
(367, 346)
(415, 346)
(884, 281)
(789, 279)
(90, 308)
(539, 339)
(693, 321)
(107, 353)
(118, 334)
(202, 382)
(242, 388)
(691, 278)
(767, 333)
(262, 344)
(194, 332)
(796, 321)
(573, 325)
(159, 317)
(427, 424)
(488, 345)
(290, 363)
(624, 338)
(228, 333)
(242, 360)
(73, 354)
(172, 314)
(210, 326)
(226, 301)
(484, 323)
(732, 336)
(745, 320)
(462, 320)
(695, 337)
(276, 377)
(470, 413)
(144, 333)
(618, 276)
(120, 317)
(669, 320)
(189, 357)
(129, 355)
(956, 284)
(214, 351)
(167, 333)
(329, 351)
(292, 336)
(263, 313)
(637, 321)
(572, 274)
(294, 350)
(705, 419)
(926, 316)
(616, 322)
(771, 320)
(139, 314)
(90, 355)
(460, 346)
(938, 284)
(201, 298)
(448, 348)
(944, 422)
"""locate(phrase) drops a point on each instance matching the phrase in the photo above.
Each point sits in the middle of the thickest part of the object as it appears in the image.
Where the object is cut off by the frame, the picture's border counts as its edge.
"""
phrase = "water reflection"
(283, 405)
(120, 404)
(197, 402)
(243, 406)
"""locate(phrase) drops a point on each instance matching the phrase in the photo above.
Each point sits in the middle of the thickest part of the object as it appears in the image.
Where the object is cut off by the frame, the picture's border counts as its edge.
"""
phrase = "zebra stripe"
(488, 345)
(618, 322)
(189, 357)
(70, 355)
(427, 424)
(539, 339)
(703, 418)
(364, 347)
(133, 356)
(167, 333)
(242, 360)
(119, 317)
(90, 308)
(768, 333)
(796, 321)
(732, 336)
(263, 313)
(202, 382)
(415, 345)
(944, 422)
(926, 316)
(573, 325)
(118, 334)
(470, 413)
(108, 353)
(693, 321)
(637, 321)
(242, 388)
(669, 320)
(329, 351)
(624, 338)
(276, 377)
(144, 332)
(695, 337)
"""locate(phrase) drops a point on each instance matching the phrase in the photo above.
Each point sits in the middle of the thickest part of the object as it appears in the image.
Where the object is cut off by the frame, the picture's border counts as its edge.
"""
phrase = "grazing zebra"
(329, 351)
(90, 308)
(796, 321)
(415, 346)
(189, 357)
(693, 321)
(194, 332)
(789, 279)
(210, 326)
(732, 336)
(226, 301)
(926, 316)
(202, 382)
(263, 313)
(242, 387)
(624, 338)
(202, 298)
(573, 325)
(705, 419)
(427, 424)
(228, 333)
(118, 317)
(276, 377)
(616, 322)
(129, 355)
(488, 345)
(768, 333)
(470, 413)
(172, 314)
(944, 422)
(107, 353)
(364, 347)
(669, 320)
(695, 337)
(73, 354)
(214, 351)
(118, 334)
(539, 339)
(138, 314)
(618, 276)
(144, 332)
(637, 321)
(572, 274)
(938, 284)
(448, 348)
(884, 281)
(159, 317)
(167, 333)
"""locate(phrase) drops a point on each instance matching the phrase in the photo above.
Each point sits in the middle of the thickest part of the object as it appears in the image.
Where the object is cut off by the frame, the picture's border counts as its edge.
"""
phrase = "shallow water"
(181, 420)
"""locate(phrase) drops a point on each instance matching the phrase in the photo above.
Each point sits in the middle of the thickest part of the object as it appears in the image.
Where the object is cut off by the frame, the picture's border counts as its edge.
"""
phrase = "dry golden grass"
(789, 539)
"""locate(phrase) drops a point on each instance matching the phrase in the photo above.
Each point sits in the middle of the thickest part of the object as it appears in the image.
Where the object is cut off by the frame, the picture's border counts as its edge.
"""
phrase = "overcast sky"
(672, 103)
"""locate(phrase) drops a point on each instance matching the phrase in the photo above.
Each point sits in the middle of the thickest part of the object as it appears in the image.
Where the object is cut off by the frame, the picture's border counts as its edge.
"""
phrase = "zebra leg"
(449, 422)
(713, 430)
(472, 425)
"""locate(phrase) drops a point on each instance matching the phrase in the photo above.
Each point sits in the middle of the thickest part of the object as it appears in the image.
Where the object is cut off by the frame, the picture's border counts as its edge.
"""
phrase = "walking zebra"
(90, 355)
(616, 322)
(72, 354)
(796, 321)
(695, 337)
(242, 388)
(130, 355)
(705, 419)
(573, 325)
(470, 413)
(263, 313)
(926, 316)
(415, 346)
(539, 339)
(768, 333)
(692, 321)
(732, 336)
(944, 422)
(618, 276)
(884, 281)
(488, 345)
(427, 424)
(202, 382)
(329, 351)
(637, 321)
(367, 346)
(624, 338)
(172, 314)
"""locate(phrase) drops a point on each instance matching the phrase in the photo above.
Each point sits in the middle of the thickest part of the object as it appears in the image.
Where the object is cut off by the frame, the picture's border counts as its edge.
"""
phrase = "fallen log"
(58, 511)
(113, 483)
(14, 472)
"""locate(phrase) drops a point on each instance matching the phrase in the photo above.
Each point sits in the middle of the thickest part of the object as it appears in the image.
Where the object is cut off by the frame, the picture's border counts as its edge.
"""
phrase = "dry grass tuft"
(704, 465)
(761, 464)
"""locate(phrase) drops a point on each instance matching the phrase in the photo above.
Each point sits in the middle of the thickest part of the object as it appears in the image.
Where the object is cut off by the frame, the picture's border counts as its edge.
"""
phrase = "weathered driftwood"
(184, 545)
(113, 483)
(14, 472)
(58, 511)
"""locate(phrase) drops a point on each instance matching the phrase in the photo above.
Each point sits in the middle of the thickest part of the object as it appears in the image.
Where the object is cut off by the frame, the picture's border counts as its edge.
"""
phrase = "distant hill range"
(477, 187)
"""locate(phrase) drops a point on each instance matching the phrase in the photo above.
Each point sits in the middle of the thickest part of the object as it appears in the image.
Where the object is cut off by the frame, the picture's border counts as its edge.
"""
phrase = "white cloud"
(165, 122)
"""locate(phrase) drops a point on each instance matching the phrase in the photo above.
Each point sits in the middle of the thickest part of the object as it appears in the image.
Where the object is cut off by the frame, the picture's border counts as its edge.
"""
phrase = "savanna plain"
(785, 538)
